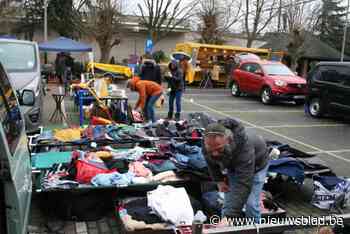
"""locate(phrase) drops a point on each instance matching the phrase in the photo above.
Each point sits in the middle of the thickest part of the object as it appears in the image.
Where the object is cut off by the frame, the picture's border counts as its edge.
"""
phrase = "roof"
(334, 63)
(262, 62)
(223, 47)
(314, 48)
(16, 41)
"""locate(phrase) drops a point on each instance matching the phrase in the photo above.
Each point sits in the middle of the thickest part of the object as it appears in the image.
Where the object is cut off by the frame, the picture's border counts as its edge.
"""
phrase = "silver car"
(21, 60)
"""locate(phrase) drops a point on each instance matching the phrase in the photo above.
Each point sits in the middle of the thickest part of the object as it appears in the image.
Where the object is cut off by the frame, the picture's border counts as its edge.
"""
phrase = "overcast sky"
(130, 6)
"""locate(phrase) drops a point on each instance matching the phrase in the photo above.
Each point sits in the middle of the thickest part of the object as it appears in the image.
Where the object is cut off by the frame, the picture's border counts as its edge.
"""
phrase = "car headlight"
(280, 83)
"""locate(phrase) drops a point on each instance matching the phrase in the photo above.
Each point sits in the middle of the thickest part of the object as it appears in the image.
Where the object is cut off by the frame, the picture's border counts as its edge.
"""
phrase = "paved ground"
(287, 123)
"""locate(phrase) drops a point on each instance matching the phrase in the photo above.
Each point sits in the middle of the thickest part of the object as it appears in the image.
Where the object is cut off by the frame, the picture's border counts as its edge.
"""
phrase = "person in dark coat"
(151, 71)
(238, 162)
(60, 67)
(176, 85)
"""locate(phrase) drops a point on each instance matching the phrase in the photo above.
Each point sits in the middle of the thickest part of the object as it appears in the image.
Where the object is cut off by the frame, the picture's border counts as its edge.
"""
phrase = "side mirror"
(259, 73)
(28, 97)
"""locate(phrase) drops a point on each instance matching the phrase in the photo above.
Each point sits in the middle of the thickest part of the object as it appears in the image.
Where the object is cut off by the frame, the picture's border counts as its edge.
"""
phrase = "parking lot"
(286, 122)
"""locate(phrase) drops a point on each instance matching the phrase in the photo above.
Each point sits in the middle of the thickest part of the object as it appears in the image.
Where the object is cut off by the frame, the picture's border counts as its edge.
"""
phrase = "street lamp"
(345, 32)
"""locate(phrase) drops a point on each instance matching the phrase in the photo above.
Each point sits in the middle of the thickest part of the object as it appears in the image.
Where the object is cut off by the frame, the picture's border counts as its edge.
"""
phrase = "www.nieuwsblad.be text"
(298, 221)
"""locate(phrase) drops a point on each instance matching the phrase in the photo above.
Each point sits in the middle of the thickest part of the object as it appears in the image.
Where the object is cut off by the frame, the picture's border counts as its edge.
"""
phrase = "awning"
(63, 44)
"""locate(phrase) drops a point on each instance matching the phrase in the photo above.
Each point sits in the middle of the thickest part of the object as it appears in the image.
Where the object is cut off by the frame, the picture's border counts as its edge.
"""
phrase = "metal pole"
(345, 32)
(45, 20)
(45, 28)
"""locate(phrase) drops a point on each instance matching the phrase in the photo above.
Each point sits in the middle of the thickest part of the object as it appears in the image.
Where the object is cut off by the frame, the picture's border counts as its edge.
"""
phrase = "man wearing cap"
(238, 162)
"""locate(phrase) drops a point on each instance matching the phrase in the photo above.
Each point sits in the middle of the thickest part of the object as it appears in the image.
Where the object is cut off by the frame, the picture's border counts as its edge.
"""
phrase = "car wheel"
(266, 96)
(315, 108)
(235, 91)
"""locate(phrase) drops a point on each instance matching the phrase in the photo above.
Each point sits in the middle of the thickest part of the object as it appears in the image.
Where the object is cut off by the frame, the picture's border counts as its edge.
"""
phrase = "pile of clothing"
(163, 208)
(168, 207)
(288, 161)
(166, 128)
(126, 166)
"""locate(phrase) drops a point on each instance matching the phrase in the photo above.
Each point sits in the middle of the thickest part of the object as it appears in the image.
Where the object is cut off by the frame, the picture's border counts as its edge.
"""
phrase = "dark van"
(329, 89)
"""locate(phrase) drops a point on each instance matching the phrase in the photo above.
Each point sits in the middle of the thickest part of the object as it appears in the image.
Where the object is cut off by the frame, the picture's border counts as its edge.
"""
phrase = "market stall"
(63, 45)
(133, 169)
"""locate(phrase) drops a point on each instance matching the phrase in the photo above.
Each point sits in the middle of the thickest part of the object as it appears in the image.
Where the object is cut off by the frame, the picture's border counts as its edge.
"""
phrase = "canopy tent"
(63, 44)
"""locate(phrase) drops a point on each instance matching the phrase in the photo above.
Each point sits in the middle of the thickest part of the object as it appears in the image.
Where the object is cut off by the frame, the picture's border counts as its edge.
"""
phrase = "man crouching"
(238, 162)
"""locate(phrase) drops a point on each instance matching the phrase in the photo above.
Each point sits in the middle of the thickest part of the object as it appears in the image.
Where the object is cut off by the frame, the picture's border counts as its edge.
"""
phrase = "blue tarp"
(63, 44)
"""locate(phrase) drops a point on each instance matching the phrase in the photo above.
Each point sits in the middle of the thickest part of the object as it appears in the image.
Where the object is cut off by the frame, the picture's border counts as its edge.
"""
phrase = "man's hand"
(137, 109)
(223, 187)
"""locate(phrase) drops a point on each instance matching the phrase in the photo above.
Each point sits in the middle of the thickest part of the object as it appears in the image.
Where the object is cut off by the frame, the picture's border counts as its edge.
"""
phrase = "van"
(22, 62)
(329, 89)
(15, 168)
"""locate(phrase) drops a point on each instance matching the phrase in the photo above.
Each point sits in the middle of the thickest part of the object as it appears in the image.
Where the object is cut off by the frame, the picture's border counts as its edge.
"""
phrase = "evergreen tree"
(33, 15)
(64, 18)
(331, 23)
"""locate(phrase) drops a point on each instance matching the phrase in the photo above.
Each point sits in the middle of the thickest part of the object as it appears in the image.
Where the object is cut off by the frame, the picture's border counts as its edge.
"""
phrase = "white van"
(22, 62)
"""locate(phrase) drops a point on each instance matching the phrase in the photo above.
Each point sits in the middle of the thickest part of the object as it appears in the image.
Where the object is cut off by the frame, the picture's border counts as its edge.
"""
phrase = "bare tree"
(104, 25)
(258, 15)
(160, 17)
(295, 46)
(299, 15)
(216, 17)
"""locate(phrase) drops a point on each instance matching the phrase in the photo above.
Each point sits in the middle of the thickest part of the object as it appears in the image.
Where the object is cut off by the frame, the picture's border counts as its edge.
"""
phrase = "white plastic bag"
(326, 199)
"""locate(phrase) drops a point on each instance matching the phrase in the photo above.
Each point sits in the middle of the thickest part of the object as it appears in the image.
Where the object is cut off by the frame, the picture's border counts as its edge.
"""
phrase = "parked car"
(329, 89)
(15, 167)
(22, 62)
(270, 80)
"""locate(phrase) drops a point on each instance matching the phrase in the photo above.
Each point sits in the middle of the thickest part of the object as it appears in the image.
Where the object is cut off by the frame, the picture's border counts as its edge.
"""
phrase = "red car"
(269, 80)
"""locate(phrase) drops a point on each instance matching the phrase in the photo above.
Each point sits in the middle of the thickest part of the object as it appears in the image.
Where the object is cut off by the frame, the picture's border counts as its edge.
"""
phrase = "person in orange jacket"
(149, 93)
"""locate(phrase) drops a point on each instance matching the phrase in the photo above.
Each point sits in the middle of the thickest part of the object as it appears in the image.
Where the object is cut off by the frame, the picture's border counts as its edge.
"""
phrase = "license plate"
(299, 97)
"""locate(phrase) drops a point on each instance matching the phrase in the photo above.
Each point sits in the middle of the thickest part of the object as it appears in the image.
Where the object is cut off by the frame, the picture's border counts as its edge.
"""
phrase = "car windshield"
(18, 57)
(277, 70)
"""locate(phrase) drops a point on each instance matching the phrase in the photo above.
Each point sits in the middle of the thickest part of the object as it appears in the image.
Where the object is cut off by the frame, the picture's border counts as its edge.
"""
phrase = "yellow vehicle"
(206, 57)
(110, 70)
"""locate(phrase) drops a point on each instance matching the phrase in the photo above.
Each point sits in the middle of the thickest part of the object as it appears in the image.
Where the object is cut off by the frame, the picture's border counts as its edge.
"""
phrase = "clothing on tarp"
(178, 211)
(131, 224)
(133, 154)
(164, 165)
(138, 210)
(113, 179)
(189, 156)
(330, 192)
(289, 167)
(139, 170)
(66, 135)
(166, 176)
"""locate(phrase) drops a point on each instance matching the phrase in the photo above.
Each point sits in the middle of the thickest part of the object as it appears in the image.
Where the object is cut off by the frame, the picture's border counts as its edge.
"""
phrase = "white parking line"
(303, 126)
(224, 101)
(331, 151)
(263, 111)
(207, 94)
(271, 131)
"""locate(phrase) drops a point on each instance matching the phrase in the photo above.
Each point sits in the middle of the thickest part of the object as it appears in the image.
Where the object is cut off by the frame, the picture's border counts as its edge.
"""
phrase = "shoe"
(177, 116)
(170, 116)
